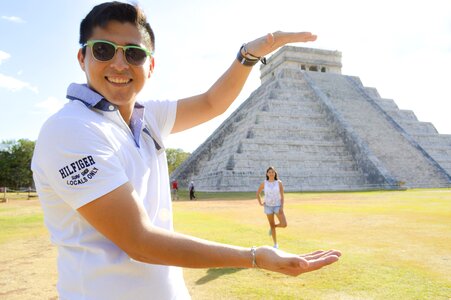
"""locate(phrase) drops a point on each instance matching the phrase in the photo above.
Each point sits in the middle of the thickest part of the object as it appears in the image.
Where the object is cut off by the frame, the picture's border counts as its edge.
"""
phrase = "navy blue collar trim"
(92, 99)
(89, 97)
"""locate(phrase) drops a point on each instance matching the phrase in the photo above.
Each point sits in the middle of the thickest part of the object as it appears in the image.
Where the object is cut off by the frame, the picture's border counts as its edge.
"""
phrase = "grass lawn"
(21, 219)
(395, 245)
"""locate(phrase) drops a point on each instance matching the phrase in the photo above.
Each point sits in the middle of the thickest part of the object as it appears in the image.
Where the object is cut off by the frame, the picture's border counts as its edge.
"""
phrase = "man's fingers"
(312, 254)
(303, 266)
(281, 38)
(321, 262)
(321, 253)
(272, 41)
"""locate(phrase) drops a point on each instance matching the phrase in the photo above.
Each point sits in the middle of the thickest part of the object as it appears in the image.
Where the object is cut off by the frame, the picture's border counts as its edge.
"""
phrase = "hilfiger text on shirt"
(82, 165)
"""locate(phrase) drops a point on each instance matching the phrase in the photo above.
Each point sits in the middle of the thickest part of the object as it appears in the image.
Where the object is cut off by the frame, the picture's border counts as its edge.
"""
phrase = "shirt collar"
(92, 99)
(89, 97)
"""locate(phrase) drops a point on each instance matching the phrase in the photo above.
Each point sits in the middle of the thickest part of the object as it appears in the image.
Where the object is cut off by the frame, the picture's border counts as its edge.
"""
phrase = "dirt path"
(27, 266)
(28, 270)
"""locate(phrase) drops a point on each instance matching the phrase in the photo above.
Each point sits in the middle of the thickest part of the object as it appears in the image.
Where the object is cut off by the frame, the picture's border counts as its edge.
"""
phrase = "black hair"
(103, 13)
(271, 168)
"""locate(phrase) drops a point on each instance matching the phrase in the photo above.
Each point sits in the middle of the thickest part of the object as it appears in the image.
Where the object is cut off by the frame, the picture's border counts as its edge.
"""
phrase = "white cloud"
(12, 84)
(13, 19)
(50, 105)
(4, 56)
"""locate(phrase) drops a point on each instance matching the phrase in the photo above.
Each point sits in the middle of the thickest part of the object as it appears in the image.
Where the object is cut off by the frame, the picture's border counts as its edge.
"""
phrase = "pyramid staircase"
(438, 146)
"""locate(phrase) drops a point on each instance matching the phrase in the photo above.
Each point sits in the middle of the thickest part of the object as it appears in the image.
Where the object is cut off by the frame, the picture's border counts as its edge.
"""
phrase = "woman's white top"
(272, 193)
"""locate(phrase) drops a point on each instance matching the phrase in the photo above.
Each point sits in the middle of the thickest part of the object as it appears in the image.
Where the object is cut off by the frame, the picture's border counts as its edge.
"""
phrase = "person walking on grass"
(191, 191)
(105, 192)
(273, 204)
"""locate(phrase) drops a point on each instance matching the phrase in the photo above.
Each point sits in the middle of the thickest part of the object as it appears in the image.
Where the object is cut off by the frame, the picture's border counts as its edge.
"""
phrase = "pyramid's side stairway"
(399, 152)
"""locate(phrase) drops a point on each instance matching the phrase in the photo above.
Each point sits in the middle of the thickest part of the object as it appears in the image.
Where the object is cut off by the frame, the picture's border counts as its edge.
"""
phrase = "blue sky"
(403, 48)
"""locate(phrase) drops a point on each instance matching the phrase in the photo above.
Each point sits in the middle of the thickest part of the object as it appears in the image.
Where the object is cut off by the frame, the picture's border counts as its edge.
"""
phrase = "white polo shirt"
(83, 152)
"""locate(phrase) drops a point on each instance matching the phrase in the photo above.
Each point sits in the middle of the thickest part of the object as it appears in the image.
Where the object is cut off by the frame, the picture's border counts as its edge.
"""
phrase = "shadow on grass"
(213, 274)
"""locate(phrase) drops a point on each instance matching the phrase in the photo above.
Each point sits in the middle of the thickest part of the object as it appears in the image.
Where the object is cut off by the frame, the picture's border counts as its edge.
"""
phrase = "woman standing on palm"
(273, 203)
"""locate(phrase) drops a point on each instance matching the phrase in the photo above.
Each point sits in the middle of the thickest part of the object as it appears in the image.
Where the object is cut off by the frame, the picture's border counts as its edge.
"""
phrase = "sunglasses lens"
(135, 56)
(103, 51)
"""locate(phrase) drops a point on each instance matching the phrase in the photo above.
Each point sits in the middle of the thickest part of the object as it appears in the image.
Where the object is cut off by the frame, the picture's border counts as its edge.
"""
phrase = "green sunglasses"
(105, 51)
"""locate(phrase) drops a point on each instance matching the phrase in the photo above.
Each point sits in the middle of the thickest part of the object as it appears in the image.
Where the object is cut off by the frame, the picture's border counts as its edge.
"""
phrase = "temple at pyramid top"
(307, 59)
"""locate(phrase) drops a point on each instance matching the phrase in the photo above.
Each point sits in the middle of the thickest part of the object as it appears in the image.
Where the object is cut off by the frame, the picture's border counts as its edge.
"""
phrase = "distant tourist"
(174, 189)
(191, 190)
(273, 203)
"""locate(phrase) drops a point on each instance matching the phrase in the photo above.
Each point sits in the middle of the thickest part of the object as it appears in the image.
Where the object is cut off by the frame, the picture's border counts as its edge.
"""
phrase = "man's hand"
(272, 41)
(278, 261)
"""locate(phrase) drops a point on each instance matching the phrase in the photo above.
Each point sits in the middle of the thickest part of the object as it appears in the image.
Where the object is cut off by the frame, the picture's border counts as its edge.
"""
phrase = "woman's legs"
(282, 219)
(273, 228)
(282, 224)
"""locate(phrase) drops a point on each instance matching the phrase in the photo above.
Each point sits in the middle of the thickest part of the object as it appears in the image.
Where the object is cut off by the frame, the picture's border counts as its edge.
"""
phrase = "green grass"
(395, 244)
(184, 195)
(20, 221)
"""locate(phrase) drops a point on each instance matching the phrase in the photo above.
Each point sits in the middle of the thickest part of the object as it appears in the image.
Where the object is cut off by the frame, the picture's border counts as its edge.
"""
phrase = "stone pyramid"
(322, 131)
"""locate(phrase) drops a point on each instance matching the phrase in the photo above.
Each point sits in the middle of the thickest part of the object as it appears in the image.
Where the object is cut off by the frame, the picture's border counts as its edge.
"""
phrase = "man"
(101, 172)
(175, 188)
(191, 190)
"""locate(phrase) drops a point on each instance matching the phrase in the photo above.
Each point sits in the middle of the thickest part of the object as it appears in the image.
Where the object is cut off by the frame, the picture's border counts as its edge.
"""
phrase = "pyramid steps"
(399, 156)
(304, 137)
(306, 122)
(438, 146)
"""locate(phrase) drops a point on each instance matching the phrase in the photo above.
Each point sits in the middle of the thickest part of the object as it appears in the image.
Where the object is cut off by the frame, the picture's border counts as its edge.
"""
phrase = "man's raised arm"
(201, 108)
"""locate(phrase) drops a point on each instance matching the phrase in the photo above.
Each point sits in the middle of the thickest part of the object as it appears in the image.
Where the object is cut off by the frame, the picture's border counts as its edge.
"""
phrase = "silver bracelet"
(254, 257)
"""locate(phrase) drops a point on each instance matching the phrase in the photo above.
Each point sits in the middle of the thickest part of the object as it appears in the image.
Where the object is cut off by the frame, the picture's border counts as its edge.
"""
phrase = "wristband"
(248, 61)
(254, 257)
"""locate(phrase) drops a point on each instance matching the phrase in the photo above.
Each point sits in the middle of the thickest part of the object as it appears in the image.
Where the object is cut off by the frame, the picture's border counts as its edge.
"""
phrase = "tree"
(5, 168)
(175, 158)
(6, 163)
(15, 162)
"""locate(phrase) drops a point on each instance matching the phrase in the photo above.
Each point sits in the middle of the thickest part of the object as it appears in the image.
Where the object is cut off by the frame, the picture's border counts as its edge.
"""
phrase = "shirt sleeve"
(76, 160)
(164, 114)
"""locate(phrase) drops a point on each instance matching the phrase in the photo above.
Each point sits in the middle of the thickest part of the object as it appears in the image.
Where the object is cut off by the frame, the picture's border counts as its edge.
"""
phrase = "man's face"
(116, 80)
